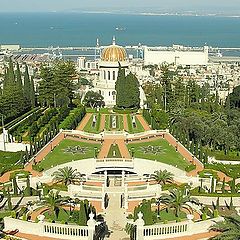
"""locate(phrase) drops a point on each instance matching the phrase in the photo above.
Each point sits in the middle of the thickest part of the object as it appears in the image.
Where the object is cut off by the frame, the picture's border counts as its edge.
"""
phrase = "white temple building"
(108, 65)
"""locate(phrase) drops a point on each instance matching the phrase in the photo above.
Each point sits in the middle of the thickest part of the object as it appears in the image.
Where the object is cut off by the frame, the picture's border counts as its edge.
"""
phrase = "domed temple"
(111, 57)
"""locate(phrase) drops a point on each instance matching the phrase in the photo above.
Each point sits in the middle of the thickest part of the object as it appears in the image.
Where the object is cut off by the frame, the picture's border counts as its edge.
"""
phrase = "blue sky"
(130, 5)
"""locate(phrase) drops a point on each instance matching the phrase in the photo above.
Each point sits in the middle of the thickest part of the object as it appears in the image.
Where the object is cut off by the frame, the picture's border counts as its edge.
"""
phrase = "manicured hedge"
(74, 118)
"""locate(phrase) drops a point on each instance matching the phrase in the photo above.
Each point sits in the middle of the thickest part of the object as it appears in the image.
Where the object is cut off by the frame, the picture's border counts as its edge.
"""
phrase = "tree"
(93, 99)
(56, 86)
(82, 215)
(53, 201)
(127, 89)
(163, 177)
(12, 102)
(27, 86)
(177, 200)
(28, 190)
(66, 175)
(234, 98)
(229, 229)
(15, 186)
(9, 201)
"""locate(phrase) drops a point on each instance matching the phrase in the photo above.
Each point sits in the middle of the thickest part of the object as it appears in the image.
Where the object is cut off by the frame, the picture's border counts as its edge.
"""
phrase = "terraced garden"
(8, 161)
(67, 151)
(158, 150)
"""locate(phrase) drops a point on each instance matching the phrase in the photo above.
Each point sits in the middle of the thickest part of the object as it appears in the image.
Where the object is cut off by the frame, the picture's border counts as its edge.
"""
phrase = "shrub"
(215, 213)
(204, 216)
(190, 168)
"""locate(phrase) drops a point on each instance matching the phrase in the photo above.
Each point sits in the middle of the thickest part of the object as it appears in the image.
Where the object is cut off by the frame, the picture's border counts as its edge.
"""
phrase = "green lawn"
(119, 124)
(131, 129)
(89, 126)
(170, 215)
(166, 153)
(8, 161)
(220, 155)
(63, 216)
(117, 152)
(59, 155)
(5, 214)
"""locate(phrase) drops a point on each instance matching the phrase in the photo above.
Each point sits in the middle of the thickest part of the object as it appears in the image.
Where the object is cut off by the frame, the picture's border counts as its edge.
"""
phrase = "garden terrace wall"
(45, 229)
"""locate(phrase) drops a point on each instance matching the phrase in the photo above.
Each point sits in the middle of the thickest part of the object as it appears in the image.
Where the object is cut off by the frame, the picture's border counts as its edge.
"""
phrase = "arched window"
(109, 93)
(114, 76)
(99, 91)
(109, 75)
(104, 74)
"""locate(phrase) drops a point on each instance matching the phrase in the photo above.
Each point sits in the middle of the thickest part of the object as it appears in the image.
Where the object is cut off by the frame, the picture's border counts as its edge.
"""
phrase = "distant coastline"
(82, 28)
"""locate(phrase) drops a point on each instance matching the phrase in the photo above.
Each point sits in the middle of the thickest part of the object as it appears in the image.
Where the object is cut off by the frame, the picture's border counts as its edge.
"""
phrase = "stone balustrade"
(170, 230)
(54, 230)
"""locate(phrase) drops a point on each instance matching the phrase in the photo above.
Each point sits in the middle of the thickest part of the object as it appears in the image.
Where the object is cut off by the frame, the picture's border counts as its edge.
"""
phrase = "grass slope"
(131, 129)
(168, 154)
(89, 126)
(117, 151)
(58, 156)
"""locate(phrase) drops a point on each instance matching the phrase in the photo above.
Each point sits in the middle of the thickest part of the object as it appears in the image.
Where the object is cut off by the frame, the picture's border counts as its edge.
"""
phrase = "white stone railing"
(170, 230)
(149, 232)
(54, 230)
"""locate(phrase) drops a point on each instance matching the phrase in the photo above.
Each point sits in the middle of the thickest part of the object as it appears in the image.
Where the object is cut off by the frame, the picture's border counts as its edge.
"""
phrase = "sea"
(82, 29)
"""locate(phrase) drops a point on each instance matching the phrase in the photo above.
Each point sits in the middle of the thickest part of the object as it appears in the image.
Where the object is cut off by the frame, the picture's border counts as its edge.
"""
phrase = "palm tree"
(229, 229)
(54, 202)
(177, 200)
(67, 175)
(163, 177)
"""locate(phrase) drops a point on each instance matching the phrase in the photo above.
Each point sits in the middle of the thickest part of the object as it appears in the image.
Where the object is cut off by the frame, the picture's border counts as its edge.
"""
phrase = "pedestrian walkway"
(84, 122)
(143, 123)
(115, 218)
(107, 145)
(125, 122)
(102, 122)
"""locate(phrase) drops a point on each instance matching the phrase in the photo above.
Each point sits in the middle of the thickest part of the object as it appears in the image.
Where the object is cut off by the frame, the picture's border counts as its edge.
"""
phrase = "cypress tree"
(27, 86)
(15, 186)
(32, 93)
(82, 215)
(19, 77)
(9, 201)
(28, 191)
(223, 185)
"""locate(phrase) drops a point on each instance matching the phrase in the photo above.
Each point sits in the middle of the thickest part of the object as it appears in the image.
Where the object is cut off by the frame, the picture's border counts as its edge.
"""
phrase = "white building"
(111, 57)
(178, 55)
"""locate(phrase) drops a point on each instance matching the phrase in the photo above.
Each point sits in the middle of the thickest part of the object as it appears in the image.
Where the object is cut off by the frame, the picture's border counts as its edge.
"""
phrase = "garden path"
(200, 236)
(115, 218)
(107, 144)
(143, 122)
(33, 237)
(125, 122)
(102, 122)
(84, 122)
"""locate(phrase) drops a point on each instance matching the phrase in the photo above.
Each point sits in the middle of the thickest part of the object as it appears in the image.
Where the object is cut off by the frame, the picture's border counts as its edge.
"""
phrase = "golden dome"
(114, 53)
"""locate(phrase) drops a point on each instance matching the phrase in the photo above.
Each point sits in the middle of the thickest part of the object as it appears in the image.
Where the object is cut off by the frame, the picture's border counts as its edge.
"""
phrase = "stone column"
(159, 190)
(91, 226)
(123, 178)
(105, 178)
(139, 224)
(103, 195)
(126, 196)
